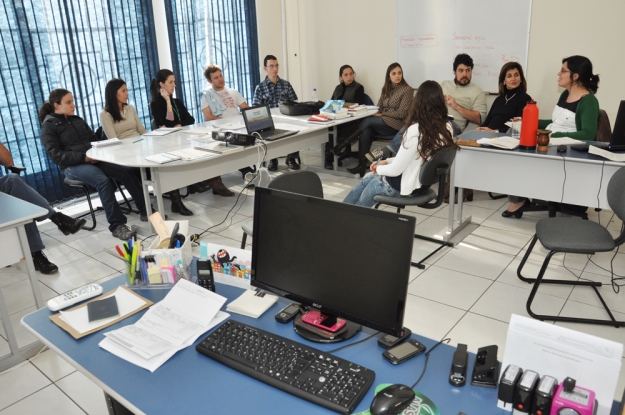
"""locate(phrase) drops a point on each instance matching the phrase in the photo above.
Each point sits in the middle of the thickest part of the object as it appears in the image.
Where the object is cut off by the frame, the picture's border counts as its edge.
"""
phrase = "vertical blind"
(221, 32)
(73, 44)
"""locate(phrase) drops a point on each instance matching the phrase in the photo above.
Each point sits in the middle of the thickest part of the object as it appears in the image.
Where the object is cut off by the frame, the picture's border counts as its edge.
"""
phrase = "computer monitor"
(344, 260)
(617, 141)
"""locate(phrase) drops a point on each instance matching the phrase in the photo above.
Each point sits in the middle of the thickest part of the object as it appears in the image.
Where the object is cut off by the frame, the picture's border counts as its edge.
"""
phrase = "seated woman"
(120, 119)
(427, 130)
(393, 106)
(350, 91)
(67, 138)
(171, 112)
(576, 114)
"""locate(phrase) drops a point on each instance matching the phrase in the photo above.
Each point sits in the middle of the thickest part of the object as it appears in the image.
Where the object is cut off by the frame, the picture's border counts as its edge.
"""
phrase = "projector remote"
(75, 296)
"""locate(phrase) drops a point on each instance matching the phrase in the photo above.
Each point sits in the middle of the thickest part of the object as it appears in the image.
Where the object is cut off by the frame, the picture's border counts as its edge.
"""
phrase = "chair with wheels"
(302, 182)
(432, 172)
(572, 235)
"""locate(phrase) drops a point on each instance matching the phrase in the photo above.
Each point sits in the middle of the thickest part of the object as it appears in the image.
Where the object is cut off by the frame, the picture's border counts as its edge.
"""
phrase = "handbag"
(288, 107)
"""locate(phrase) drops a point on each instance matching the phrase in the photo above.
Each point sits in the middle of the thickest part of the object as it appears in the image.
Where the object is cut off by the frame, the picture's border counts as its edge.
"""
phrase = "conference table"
(574, 177)
(175, 175)
(14, 214)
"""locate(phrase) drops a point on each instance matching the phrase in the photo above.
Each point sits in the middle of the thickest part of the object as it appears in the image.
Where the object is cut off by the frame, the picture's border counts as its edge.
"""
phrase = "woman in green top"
(576, 114)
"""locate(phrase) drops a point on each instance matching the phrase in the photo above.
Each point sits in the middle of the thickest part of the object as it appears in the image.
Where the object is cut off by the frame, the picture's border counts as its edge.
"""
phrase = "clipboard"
(56, 318)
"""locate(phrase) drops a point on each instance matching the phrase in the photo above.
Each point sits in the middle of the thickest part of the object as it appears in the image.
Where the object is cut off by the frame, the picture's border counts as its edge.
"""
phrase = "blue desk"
(190, 383)
(573, 177)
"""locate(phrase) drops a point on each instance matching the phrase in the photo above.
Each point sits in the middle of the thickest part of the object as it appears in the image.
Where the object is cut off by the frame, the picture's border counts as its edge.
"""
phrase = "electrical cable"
(427, 357)
(354, 343)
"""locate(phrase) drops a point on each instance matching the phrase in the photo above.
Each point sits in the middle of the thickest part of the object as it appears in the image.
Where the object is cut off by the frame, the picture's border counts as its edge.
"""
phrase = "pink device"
(573, 400)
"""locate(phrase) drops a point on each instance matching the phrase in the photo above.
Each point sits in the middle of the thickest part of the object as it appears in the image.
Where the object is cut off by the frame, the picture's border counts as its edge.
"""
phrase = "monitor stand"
(352, 329)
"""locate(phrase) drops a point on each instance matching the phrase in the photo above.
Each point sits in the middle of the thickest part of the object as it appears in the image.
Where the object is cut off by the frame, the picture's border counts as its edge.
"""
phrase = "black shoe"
(43, 264)
(292, 163)
(123, 232)
(67, 224)
(517, 213)
(199, 187)
(336, 150)
(273, 165)
(176, 204)
(328, 163)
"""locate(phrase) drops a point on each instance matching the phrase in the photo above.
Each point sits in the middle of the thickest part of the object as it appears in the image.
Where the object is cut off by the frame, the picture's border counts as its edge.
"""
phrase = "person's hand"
(450, 101)
(377, 114)
(516, 119)
(90, 160)
(178, 125)
(164, 94)
(485, 129)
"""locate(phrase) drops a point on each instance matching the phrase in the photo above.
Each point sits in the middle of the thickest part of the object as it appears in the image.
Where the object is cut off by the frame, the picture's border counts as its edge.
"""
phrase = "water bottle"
(529, 126)
(314, 98)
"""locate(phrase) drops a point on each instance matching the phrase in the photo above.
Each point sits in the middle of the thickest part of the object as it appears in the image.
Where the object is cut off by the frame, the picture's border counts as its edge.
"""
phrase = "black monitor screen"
(345, 260)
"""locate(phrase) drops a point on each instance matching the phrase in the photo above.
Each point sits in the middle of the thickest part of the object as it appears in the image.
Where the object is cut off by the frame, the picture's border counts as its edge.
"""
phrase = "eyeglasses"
(564, 70)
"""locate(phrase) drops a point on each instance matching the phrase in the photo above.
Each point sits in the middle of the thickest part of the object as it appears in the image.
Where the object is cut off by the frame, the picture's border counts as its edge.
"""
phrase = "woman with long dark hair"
(171, 112)
(119, 119)
(427, 131)
(393, 107)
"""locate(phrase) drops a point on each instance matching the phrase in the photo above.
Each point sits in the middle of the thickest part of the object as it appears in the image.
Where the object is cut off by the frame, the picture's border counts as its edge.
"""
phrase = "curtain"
(73, 44)
(221, 32)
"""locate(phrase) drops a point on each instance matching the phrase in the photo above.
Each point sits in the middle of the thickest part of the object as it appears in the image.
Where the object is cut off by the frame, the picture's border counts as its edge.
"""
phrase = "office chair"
(604, 129)
(571, 235)
(432, 171)
(15, 169)
(302, 182)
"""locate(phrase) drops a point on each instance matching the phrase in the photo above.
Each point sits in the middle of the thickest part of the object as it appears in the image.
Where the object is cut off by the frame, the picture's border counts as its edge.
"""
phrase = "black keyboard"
(586, 147)
(293, 367)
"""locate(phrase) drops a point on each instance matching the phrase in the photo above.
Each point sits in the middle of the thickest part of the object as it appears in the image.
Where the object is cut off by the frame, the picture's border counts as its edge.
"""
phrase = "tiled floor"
(467, 292)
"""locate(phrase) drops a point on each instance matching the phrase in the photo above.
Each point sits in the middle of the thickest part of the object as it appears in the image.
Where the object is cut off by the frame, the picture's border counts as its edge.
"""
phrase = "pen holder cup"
(160, 268)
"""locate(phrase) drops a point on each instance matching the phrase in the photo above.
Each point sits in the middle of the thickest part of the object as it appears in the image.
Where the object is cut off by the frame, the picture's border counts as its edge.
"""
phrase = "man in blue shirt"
(270, 92)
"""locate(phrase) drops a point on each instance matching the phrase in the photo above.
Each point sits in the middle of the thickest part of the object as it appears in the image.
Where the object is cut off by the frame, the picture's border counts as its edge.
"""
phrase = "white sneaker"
(374, 155)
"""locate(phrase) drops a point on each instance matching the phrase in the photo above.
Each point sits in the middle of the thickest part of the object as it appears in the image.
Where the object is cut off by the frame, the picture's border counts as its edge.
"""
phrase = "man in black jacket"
(67, 138)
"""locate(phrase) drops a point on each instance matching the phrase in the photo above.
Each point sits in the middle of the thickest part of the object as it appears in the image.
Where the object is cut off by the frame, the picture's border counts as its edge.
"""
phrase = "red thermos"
(529, 126)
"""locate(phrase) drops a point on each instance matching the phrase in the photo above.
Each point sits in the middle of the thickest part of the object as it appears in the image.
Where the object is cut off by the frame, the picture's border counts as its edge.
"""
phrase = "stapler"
(486, 367)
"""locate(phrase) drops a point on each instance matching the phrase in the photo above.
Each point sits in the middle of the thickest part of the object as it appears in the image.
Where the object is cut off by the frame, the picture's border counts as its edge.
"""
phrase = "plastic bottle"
(314, 98)
(529, 126)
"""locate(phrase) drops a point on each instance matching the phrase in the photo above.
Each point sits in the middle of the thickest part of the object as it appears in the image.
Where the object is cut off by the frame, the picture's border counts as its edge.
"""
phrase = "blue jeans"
(370, 186)
(370, 127)
(98, 176)
(396, 141)
(13, 185)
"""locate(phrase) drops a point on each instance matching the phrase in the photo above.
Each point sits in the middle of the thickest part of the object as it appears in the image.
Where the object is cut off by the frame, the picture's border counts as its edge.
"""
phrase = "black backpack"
(289, 107)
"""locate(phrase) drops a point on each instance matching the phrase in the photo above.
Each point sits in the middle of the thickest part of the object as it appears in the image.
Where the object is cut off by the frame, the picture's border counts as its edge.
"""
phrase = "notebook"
(252, 303)
(258, 120)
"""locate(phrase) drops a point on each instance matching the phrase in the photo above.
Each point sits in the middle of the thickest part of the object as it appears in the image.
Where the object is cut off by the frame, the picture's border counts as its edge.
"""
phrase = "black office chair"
(15, 169)
(302, 182)
(572, 235)
(432, 171)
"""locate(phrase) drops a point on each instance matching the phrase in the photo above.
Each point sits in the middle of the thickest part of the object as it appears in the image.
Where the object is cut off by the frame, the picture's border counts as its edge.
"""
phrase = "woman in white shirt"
(427, 130)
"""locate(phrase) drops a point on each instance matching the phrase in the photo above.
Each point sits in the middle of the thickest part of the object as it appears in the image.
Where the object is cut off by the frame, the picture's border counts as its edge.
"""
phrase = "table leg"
(452, 228)
(146, 190)
(156, 185)
(8, 329)
(34, 282)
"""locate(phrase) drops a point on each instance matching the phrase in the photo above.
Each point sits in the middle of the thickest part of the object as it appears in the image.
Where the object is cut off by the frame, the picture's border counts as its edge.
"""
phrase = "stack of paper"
(505, 142)
(162, 131)
(187, 312)
(337, 115)
(193, 153)
(105, 143)
(252, 303)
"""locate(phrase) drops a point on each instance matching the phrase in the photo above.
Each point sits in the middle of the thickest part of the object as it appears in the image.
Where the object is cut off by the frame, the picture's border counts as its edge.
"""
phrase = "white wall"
(361, 33)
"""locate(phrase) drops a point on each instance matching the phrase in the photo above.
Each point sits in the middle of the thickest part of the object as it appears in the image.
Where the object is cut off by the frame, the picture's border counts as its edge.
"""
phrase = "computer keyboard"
(293, 367)
(586, 147)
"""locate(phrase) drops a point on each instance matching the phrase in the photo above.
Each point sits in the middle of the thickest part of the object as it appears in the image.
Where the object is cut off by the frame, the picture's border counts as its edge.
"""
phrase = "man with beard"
(466, 101)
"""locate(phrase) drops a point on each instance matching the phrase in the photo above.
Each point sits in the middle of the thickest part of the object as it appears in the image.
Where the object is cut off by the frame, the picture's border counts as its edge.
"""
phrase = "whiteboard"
(430, 33)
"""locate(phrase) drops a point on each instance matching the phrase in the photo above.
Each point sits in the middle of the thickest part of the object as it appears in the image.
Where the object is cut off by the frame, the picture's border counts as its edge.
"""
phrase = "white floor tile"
(95, 242)
(84, 392)
(478, 331)
(4, 345)
(52, 365)
(530, 270)
(49, 400)
(478, 214)
(475, 261)
(76, 274)
(449, 287)
(419, 317)
(482, 199)
(63, 254)
(12, 274)
(497, 240)
(587, 295)
(601, 263)
(23, 336)
(527, 224)
(500, 301)
(19, 295)
(580, 310)
(19, 383)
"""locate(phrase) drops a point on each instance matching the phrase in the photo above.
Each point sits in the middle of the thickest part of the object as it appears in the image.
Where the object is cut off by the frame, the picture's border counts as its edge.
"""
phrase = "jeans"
(370, 127)
(370, 186)
(98, 176)
(13, 185)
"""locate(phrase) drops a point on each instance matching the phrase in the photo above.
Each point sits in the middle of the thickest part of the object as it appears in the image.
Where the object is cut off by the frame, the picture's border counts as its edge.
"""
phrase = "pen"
(137, 140)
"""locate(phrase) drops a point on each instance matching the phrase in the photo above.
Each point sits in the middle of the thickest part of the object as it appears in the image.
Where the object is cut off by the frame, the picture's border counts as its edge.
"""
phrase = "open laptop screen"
(257, 119)
(618, 134)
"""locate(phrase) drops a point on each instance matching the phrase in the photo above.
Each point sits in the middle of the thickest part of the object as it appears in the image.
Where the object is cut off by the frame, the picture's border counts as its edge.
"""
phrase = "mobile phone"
(288, 313)
(387, 340)
(205, 276)
(323, 321)
(404, 351)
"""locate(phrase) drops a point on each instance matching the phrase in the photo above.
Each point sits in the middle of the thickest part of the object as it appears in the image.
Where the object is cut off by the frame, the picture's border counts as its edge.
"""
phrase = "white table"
(14, 214)
(530, 174)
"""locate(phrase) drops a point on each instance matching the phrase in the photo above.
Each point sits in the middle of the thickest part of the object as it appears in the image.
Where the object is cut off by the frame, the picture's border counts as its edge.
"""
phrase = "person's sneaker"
(375, 155)
(67, 224)
(123, 232)
(43, 264)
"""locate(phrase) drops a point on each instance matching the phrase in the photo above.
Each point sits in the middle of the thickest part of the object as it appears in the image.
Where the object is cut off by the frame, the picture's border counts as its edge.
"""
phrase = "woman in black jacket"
(67, 138)
(171, 112)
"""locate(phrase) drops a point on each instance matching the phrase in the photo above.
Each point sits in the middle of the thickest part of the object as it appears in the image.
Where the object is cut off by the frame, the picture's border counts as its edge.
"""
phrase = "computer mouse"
(392, 400)
(561, 148)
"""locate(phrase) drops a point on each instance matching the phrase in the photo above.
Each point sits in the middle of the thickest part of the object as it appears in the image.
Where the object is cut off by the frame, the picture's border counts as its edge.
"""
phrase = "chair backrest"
(303, 182)
(616, 194)
(432, 170)
(604, 130)
(153, 124)
(366, 100)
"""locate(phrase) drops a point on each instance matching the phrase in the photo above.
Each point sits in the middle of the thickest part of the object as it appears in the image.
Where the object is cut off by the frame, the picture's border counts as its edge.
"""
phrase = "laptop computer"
(258, 120)
(617, 140)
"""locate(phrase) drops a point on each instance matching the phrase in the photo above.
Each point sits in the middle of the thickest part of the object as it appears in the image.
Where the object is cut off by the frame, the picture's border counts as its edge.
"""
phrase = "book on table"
(320, 119)
(162, 131)
(106, 143)
(343, 113)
